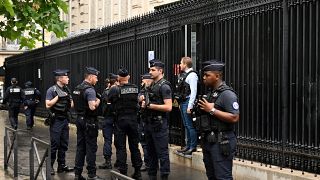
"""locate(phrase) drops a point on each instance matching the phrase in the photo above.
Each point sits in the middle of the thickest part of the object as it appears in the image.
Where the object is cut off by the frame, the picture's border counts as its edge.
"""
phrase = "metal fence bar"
(118, 176)
(14, 147)
(45, 175)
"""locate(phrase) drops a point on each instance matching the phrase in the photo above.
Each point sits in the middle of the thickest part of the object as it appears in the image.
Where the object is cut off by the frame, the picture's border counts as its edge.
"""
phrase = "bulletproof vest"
(156, 96)
(63, 105)
(215, 123)
(80, 102)
(183, 88)
(15, 95)
(30, 93)
(108, 108)
(127, 103)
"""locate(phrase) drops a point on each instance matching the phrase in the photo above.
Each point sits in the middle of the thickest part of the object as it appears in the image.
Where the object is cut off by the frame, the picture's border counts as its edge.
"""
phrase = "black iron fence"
(271, 49)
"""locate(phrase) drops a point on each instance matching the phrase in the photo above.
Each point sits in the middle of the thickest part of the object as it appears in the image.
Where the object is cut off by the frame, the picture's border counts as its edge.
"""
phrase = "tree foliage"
(25, 19)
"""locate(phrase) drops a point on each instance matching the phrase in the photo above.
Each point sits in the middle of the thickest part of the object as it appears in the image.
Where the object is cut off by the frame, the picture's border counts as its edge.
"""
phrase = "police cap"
(213, 65)
(61, 72)
(28, 84)
(112, 76)
(14, 80)
(156, 63)
(92, 70)
(146, 76)
(123, 72)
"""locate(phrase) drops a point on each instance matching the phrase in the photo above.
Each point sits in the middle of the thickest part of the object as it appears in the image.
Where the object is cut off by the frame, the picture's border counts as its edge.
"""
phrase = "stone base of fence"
(242, 169)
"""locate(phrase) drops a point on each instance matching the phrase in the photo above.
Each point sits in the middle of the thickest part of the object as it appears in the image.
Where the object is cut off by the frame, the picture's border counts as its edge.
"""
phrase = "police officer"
(156, 130)
(86, 106)
(125, 100)
(187, 91)
(107, 129)
(59, 102)
(13, 97)
(146, 81)
(222, 110)
(31, 98)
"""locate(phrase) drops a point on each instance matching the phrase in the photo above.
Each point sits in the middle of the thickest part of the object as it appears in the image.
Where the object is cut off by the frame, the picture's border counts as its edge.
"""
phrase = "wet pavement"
(42, 132)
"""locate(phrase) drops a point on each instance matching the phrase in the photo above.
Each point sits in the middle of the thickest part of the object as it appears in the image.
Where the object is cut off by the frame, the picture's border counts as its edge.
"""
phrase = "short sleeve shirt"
(165, 91)
(90, 94)
(51, 93)
(228, 100)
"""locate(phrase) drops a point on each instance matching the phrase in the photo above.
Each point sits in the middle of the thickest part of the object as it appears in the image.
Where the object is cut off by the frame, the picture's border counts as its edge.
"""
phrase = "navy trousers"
(157, 146)
(59, 138)
(86, 145)
(219, 166)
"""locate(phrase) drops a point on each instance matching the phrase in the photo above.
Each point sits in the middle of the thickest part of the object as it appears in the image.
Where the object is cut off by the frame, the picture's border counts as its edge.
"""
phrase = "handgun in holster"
(50, 119)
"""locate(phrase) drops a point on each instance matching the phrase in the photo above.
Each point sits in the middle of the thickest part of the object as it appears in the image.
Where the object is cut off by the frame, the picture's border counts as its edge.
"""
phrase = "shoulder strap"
(192, 71)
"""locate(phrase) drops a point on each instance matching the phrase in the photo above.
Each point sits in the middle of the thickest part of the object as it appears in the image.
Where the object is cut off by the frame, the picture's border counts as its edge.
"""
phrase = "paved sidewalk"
(40, 131)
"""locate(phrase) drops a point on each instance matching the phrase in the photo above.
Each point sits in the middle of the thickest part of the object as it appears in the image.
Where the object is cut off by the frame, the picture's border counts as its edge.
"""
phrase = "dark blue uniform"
(141, 130)
(13, 97)
(107, 129)
(218, 155)
(156, 130)
(87, 131)
(59, 129)
(125, 100)
(31, 98)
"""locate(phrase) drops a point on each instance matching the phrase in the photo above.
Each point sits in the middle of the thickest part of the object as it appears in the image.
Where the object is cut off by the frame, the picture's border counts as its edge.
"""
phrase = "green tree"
(24, 20)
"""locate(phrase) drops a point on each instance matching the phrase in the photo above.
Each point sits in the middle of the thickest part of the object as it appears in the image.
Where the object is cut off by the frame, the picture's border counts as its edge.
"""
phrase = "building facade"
(92, 14)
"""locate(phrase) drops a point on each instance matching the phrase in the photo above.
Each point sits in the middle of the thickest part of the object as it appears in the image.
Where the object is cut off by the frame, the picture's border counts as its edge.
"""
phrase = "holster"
(155, 122)
(92, 130)
(50, 119)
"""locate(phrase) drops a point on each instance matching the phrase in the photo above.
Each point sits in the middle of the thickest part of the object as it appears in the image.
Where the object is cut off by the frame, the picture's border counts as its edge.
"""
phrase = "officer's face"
(93, 79)
(154, 72)
(64, 80)
(210, 78)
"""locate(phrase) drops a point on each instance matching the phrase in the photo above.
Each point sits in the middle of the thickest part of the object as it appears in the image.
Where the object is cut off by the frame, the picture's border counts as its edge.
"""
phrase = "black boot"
(137, 174)
(94, 177)
(64, 168)
(107, 164)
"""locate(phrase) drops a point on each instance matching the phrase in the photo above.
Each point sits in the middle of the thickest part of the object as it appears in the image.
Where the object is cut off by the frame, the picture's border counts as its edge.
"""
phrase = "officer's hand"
(141, 98)
(25, 107)
(205, 105)
(189, 111)
(143, 104)
(97, 100)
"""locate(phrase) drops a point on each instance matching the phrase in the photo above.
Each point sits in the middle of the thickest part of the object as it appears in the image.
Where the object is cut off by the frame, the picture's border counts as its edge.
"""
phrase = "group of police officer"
(140, 116)
(29, 98)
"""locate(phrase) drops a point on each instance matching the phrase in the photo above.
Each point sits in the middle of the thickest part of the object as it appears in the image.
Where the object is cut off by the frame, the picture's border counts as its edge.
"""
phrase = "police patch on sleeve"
(235, 105)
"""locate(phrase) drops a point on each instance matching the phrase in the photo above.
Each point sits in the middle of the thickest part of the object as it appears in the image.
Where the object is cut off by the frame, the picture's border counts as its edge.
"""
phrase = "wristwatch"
(212, 111)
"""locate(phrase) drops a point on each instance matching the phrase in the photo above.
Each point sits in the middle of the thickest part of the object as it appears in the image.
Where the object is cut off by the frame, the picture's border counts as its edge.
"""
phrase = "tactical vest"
(80, 102)
(63, 105)
(29, 93)
(156, 97)
(107, 108)
(183, 88)
(14, 95)
(127, 103)
(214, 123)
(30, 97)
